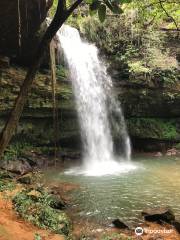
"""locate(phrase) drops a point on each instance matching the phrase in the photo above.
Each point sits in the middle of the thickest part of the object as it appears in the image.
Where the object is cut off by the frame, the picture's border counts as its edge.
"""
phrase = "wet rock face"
(20, 22)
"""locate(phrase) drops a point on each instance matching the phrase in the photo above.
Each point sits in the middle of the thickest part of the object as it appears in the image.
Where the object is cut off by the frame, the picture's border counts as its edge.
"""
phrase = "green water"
(155, 182)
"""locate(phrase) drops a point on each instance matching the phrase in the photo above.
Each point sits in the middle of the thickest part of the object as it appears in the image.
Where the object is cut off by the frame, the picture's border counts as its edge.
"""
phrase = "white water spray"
(97, 108)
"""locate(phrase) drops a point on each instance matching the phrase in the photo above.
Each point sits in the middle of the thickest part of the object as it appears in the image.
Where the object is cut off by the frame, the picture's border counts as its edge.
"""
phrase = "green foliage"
(146, 12)
(177, 146)
(35, 206)
(138, 67)
(15, 150)
(5, 174)
(6, 185)
(157, 128)
(166, 77)
(97, 6)
(37, 237)
(61, 71)
(132, 50)
(152, 12)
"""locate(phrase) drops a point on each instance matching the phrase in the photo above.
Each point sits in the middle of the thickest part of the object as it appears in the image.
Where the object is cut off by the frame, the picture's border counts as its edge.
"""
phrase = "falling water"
(99, 112)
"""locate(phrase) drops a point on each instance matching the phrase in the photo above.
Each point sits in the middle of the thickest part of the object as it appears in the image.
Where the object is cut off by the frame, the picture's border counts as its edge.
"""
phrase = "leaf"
(102, 12)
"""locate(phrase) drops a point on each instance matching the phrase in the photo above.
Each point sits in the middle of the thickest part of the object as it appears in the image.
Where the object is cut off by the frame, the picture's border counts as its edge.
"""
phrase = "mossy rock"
(27, 179)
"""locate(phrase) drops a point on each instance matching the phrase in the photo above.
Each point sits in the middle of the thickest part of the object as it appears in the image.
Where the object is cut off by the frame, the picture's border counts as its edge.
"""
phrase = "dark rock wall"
(152, 115)
(19, 25)
(36, 123)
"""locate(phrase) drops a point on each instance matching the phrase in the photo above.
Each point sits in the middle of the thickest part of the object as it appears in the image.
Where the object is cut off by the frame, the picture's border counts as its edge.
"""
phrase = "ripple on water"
(124, 195)
(103, 168)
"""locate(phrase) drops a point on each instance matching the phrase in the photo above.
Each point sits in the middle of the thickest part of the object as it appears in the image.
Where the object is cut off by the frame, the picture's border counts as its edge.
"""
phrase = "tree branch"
(169, 29)
(156, 3)
(168, 15)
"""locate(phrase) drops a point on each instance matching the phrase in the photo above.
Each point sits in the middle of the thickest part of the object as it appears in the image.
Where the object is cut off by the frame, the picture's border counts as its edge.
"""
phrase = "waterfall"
(99, 111)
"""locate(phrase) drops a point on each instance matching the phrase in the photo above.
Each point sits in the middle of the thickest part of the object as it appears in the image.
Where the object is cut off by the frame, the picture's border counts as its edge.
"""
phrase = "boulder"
(171, 152)
(57, 202)
(176, 224)
(158, 154)
(117, 223)
(162, 214)
(19, 166)
(34, 158)
(27, 179)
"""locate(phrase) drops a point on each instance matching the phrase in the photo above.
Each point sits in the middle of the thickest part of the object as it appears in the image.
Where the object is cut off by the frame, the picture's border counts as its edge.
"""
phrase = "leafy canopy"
(148, 11)
(100, 7)
(157, 12)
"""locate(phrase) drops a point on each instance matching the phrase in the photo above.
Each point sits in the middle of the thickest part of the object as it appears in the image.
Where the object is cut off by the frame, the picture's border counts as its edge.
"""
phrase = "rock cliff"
(19, 25)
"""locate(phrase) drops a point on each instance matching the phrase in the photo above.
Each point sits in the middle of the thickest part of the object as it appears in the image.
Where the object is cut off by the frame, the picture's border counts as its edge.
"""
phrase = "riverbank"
(13, 227)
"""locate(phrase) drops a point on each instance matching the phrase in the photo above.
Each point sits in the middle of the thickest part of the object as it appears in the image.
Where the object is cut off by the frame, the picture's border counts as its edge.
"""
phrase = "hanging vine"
(55, 113)
(19, 23)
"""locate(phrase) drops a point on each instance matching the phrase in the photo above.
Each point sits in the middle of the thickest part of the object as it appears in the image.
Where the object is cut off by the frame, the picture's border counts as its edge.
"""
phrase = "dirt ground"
(14, 228)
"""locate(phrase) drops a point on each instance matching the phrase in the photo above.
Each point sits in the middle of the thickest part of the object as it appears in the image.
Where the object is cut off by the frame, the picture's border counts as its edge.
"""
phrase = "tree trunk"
(60, 17)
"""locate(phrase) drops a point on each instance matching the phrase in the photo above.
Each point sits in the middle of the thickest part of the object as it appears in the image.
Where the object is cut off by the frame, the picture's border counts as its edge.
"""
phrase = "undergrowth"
(6, 185)
(36, 207)
(15, 150)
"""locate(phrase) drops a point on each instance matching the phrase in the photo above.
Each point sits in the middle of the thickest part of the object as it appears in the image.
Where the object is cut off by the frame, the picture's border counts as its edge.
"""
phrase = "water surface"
(154, 182)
